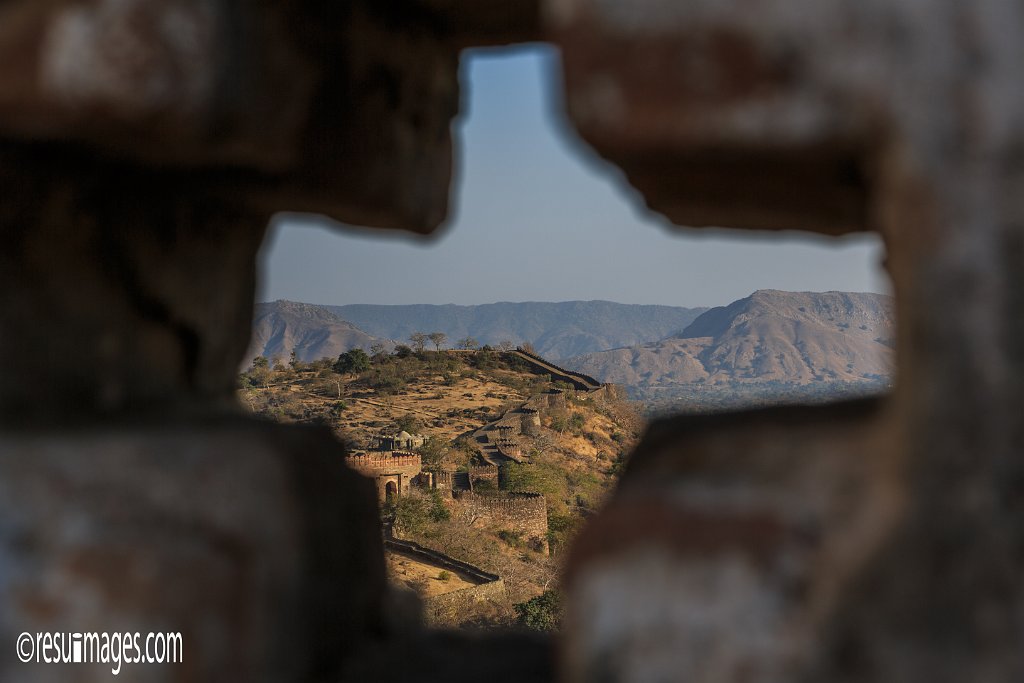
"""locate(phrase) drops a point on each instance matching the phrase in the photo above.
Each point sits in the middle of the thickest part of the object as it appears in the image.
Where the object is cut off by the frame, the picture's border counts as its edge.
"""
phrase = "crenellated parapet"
(375, 463)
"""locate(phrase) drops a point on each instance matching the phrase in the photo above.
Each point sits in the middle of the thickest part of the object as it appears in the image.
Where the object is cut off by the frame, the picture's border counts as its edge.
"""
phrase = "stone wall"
(483, 473)
(456, 605)
(408, 464)
(524, 513)
(558, 374)
(448, 607)
(393, 473)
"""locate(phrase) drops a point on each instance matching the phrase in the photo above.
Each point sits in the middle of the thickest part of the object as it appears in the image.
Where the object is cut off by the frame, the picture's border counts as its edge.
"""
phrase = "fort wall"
(372, 464)
(577, 379)
(523, 513)
(444, 609)
(393, 473)
(483, 473)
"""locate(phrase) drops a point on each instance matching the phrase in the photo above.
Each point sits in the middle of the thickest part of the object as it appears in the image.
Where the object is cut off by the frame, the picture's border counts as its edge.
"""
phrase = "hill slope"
(313, 331)
(556, 330)
(795, 338)
(573, 457)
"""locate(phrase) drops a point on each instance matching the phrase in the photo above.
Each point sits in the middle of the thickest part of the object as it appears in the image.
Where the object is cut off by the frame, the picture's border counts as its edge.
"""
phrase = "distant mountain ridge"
(795, 338)
(312, 331)
(556, 330)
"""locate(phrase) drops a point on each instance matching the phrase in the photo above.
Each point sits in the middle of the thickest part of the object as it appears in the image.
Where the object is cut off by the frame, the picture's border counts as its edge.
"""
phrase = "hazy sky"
(522, 179)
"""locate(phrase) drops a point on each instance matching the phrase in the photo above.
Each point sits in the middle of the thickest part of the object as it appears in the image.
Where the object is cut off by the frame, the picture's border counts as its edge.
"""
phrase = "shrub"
(444, 575)
(408, 423)
(512, 538)
(542, 613)
(432, 452)
(439, 512)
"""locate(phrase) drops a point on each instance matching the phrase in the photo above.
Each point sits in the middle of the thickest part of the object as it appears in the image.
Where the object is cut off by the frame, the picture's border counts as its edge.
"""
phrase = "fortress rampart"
(483, 473)
(442, 609)
(392, 473)
(373, 463)
(524, 513)
(577, 379)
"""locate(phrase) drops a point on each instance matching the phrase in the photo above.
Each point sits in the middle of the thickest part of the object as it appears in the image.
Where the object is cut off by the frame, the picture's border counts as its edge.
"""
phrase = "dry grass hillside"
(311, 331)
(447, 396)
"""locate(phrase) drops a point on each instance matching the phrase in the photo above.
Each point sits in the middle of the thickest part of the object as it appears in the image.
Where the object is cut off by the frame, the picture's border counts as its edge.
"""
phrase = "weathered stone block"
(728, 544)
(255, 542)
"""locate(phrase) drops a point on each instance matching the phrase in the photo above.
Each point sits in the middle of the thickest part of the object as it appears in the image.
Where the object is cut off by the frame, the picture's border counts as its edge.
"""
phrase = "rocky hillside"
(572, 457)
(556, 330)
(312, 331)
(791, 338)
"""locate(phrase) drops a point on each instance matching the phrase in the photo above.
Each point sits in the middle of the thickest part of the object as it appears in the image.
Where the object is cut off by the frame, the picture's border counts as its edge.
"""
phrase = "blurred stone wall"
(143, 148)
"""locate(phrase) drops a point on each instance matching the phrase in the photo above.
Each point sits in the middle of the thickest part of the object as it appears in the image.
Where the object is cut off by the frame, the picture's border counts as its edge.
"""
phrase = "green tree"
(535, 478)
(259, 373)
(438, 339)
(409, 423)
(432, 452)
(414, 512)
(352, 362)
(402, 351)
(377, 352)
(542, 613)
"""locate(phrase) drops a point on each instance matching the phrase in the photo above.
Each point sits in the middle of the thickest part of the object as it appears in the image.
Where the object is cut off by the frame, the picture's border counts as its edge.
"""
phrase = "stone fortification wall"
(510, 448)
(373, 464)
(444, 609)
(524, 513)
(577, 379)
(447, 608)
(443, 482)
(434, 557)
(555, 398)
(483, 473)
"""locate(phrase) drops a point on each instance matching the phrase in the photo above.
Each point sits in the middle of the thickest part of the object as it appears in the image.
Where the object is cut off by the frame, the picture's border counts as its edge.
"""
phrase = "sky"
(523, 178)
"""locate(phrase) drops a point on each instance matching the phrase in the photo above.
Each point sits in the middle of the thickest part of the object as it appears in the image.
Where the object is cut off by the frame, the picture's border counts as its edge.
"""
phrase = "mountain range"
(312, 331)
(793, 338)
(767, 340)
(556, 330)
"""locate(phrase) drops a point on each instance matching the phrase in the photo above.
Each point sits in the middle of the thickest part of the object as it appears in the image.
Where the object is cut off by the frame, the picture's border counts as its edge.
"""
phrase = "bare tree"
(506, 345)
(468, 343)
(419, 340)
(438, 338)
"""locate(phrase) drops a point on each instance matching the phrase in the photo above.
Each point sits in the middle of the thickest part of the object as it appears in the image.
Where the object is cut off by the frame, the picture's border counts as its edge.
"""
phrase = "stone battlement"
(374, 462)
(576, 379)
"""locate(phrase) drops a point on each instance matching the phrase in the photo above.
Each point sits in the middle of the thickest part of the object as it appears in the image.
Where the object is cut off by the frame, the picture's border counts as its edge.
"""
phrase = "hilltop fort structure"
(393, 473)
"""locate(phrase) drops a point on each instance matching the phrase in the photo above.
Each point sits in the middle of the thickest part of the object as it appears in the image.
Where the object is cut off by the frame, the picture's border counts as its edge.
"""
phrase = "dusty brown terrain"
(573, 460)
(426, 579)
